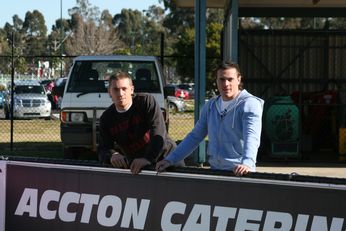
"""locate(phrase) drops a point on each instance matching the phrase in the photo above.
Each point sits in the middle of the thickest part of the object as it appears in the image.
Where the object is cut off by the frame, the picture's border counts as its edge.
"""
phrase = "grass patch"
(190, 105)
(41, 138)
(30, 130)
(180, 125)
(31, 138)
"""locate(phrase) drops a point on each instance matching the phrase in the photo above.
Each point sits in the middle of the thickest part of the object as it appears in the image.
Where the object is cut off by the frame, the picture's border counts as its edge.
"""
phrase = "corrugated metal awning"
(268, 3)
(278, 8)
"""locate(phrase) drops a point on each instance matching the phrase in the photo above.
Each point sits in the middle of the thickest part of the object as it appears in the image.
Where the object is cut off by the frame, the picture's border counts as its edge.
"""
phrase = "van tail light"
(63, 116)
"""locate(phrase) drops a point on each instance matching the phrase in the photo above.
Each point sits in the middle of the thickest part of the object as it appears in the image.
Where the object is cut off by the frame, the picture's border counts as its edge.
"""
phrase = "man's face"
(228, 83)
(121, 91)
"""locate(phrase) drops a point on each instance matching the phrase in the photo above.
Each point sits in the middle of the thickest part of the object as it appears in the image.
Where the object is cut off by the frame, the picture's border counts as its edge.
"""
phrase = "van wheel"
(71, 153)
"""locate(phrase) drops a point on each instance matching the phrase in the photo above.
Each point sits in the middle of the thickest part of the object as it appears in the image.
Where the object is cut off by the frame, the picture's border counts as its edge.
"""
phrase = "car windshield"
(185, 87)
(60, 82)
(92, 76)
(29, 89)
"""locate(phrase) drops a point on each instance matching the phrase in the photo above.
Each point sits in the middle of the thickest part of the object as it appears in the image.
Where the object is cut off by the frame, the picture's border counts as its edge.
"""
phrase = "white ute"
(86, 96)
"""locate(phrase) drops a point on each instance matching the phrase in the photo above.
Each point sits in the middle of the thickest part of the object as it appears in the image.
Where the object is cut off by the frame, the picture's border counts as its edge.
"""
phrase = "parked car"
(2, 99)
(189, 87)
(175, 104)
(174, 90)
(48, 84)
(29, 101)
(58, 91)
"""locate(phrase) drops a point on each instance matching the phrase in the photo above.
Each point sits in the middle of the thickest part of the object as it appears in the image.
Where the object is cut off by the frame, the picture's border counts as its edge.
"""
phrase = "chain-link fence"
(181, 123)
(303, 86)
(29, 113)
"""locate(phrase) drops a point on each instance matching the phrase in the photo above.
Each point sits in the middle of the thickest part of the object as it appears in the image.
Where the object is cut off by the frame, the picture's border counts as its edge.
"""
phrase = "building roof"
(268, 3)
(292, 8)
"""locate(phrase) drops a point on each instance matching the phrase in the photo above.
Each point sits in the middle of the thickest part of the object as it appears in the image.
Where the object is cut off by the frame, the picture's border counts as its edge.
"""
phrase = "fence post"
(12, 89)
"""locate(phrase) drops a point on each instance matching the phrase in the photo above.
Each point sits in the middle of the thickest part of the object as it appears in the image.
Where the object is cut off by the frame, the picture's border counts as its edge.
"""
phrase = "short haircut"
(120, 75)
(228, 64)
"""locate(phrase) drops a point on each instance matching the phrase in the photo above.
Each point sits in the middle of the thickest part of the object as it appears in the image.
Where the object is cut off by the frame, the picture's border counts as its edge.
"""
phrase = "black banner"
(51, 198)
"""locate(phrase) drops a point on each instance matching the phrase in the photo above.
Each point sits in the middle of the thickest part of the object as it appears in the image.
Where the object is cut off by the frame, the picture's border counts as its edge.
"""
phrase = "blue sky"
(51, 8)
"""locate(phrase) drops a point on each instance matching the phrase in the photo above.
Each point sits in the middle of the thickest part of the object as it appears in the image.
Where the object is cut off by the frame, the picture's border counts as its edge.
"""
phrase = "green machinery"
(281, 124)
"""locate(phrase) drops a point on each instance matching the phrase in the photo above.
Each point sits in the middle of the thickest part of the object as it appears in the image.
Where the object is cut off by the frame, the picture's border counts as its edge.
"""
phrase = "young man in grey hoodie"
(232, 121)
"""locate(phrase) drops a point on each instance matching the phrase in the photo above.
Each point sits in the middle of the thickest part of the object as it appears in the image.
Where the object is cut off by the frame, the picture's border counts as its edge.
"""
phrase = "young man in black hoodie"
(132, 130)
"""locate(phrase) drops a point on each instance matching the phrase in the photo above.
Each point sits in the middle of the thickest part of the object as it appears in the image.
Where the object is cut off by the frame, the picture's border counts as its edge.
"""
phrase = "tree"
(107, 19)
(140, 30)
(278, 23)
(180, 24)
(4, 50)
(35, 32)
(60, 30)
(17, 30)
(63, 24)
(185, 47)
(153, 28)
(85, 10)
(156, 14)
(34, 24)
(15, 37)
(91, 33)
(129, 25)
(91, 39)
(178, 18)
